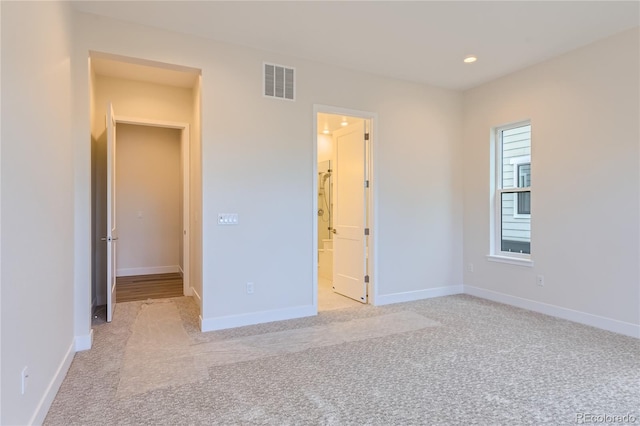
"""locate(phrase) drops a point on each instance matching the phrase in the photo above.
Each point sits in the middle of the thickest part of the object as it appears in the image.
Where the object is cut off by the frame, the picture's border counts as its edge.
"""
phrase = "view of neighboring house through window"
(513, 190)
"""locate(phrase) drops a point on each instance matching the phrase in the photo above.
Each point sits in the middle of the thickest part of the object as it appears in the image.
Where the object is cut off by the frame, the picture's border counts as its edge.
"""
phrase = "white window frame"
(515, 163)
(495, 250)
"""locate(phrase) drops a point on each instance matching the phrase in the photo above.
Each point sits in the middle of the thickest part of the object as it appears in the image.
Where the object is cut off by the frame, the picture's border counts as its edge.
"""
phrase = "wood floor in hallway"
(143, 287)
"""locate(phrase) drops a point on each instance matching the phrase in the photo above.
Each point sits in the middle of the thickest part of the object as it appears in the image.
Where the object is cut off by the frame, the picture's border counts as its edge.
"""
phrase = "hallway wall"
(149, 200)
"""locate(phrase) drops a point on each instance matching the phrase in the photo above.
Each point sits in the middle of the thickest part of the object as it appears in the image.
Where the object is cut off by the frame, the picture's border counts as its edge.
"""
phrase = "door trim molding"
(372, 208)
(185, 142)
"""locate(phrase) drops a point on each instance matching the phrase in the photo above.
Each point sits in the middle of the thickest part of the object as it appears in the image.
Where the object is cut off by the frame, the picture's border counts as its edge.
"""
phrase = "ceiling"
(423, 41)
(333, 122)
(150, 72)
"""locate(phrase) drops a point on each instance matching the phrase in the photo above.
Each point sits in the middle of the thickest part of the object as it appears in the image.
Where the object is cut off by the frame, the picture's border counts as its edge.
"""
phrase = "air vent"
(279, 82)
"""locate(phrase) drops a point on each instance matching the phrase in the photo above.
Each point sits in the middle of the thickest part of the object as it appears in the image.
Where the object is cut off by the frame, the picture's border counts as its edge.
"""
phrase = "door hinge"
(366, 278)
(366, 136)
(366, 231)
(366, 183)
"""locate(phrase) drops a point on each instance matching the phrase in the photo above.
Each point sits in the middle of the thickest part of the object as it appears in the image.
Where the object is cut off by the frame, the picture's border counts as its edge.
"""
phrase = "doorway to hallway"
(145, 175)
(147, 200)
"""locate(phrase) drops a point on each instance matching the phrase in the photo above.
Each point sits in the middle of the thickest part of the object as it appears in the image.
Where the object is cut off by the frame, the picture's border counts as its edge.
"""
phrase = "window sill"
(510, 260)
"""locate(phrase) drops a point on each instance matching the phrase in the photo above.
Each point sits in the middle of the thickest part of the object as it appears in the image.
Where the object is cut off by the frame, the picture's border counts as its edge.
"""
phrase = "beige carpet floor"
(451, 360)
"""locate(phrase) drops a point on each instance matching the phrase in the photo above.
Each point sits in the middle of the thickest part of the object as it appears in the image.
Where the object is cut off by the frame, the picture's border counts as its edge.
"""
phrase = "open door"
(349, 243)
(112, 235)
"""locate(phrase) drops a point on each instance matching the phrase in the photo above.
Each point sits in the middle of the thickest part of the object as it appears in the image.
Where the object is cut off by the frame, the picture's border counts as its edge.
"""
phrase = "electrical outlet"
(470, 267)
(540, 280)
(249, 288)
(24, 377)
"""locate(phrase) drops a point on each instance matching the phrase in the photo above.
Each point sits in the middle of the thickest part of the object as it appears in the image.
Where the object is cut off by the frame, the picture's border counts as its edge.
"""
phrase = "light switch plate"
(227, 218)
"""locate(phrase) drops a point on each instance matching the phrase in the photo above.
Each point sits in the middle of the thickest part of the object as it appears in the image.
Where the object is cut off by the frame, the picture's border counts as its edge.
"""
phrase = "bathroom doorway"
(343, 208)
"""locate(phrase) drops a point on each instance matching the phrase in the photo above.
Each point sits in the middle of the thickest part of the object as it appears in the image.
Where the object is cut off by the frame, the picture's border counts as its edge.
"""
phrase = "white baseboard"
(180, 271)
(604, 323)
(83, 343)
(150, 270)
(410, 296)
(47, 399)
(609, 324)
(231, 321)
(197, 296)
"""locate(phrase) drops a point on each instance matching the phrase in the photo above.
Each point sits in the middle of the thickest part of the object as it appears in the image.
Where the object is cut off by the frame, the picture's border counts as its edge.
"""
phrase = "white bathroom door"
(349, 262)
(112, 235)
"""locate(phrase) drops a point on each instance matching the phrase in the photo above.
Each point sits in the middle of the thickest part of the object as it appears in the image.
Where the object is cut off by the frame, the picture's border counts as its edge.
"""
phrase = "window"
(521, 167)
(512, 195)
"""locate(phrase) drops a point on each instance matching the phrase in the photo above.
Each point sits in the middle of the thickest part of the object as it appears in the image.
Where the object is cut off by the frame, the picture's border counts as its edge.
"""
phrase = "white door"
(349, 262)
(112, 235)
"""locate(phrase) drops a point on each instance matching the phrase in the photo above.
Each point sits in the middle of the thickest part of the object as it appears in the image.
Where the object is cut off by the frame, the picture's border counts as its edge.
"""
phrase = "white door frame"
(111, 236)
(372, 207)
(185, 159)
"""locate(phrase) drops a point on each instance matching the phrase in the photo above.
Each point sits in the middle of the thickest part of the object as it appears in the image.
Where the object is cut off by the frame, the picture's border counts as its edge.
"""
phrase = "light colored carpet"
(451, 360)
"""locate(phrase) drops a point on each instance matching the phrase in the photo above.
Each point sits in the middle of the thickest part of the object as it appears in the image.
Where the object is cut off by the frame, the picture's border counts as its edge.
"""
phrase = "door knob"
(334, 231)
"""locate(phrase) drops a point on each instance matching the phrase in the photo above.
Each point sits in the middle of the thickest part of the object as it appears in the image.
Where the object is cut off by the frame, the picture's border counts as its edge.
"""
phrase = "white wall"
(325, 147)
(142, 99)
(257, 161)
(149, 200)
(131, 99)
(195, 208)
(37, 207)
(584, 114)
(0, 222)
(97, 263)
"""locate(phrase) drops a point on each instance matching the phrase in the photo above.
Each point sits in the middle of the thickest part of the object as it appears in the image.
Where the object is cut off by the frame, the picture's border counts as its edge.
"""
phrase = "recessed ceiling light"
(326, 131)
(470, 59)
(344, 123)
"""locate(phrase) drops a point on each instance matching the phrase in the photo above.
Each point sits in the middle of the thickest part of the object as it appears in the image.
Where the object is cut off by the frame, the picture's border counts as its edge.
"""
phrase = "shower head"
(325, 175)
